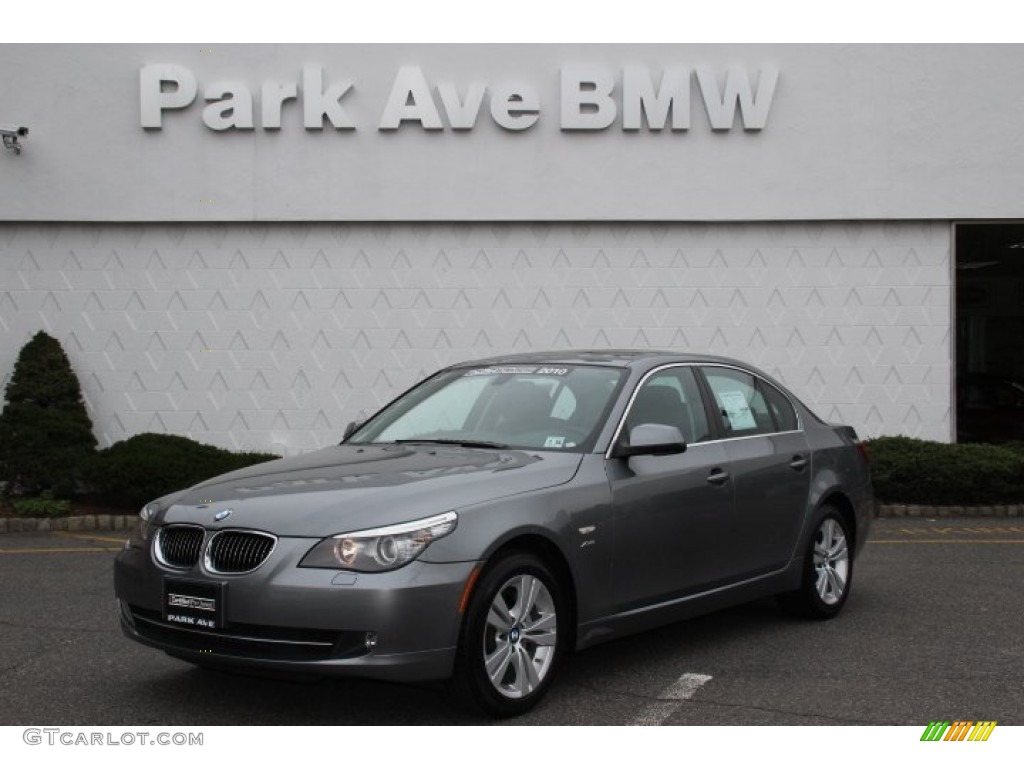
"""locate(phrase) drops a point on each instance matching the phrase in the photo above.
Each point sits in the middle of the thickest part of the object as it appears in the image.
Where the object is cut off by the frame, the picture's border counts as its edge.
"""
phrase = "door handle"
(798, 463)
(717, 477)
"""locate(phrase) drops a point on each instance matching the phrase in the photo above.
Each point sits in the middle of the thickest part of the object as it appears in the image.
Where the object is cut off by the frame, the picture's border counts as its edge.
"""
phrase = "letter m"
(935, 730)
(640, 97)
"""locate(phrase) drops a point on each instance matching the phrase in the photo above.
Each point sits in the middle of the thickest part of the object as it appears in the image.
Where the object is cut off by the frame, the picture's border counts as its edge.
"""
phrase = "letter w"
(721, 106)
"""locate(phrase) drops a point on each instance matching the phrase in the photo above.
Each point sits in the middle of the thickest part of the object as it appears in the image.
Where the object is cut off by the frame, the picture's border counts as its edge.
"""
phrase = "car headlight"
(143, 530)
(380, 549)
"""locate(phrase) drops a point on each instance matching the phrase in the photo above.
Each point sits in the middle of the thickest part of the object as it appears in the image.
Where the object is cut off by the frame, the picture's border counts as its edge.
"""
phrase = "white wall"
(273, 336)
(854, 132)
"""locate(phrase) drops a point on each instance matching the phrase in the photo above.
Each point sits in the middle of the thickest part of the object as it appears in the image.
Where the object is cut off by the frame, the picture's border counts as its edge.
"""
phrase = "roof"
(623, 358)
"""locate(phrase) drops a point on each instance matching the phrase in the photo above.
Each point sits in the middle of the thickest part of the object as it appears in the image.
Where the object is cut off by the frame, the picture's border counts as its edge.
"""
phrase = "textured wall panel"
(274, 336)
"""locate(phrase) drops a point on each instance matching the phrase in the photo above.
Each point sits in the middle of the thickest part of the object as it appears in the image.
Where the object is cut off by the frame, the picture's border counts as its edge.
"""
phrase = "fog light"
(371, 641)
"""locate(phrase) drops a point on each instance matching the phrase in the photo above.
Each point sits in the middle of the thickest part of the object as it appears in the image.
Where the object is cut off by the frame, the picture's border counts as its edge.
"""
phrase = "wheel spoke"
(518, 664)
(836, 582)
(838, 550)
(497, 662)
(828, 530)
(545, 625)
(528, 587)
(531, 680)
(521, 586)
(542, 637)
(499, 617)
(822, 582)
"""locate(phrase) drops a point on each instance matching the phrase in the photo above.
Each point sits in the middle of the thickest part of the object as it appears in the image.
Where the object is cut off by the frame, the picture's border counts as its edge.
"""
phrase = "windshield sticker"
(554, 442)
(500, 370)
(736, 409)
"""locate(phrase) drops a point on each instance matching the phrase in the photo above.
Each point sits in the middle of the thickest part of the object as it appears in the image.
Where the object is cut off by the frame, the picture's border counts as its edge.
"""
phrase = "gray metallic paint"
(634, 563)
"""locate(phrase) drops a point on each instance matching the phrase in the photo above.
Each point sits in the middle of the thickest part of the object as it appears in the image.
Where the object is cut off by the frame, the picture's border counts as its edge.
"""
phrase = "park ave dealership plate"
(194, 604)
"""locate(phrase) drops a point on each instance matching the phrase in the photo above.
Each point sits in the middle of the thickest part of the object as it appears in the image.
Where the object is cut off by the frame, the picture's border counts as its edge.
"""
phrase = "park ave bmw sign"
(592, 99)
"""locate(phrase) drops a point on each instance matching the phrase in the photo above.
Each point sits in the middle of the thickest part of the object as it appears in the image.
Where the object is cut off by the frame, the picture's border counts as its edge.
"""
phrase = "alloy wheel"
(520, 636)
(831, 562)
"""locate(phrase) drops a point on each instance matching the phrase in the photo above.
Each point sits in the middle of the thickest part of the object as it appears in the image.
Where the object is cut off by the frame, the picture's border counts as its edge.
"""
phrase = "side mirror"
(652, 440)
(350, 429)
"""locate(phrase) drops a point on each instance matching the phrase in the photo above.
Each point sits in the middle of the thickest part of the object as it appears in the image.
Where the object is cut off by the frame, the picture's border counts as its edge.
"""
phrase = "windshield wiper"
(445, 441)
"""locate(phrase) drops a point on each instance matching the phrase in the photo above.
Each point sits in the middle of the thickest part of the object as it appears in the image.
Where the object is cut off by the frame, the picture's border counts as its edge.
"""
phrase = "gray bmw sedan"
(502, 513)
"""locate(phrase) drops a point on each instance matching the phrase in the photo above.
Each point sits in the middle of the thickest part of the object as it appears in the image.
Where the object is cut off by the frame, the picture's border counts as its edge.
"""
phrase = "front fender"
(576, 518)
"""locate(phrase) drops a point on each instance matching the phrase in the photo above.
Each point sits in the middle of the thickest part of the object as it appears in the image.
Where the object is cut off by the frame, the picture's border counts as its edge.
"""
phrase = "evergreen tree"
(45, 432)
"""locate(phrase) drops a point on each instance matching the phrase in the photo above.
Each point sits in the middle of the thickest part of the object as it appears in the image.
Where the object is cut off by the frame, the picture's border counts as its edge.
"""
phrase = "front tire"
(512, 637)
(828, 570)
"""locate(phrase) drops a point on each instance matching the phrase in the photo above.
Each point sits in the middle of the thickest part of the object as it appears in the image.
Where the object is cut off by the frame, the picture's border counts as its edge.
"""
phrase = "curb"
(126, 522)
(925, 510)
(78, 523)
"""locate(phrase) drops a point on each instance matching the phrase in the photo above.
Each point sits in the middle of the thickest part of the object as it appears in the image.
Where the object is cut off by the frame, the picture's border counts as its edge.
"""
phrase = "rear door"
(768, 459)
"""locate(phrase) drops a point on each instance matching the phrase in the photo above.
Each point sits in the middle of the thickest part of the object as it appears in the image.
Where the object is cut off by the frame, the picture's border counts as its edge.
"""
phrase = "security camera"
(11, 134)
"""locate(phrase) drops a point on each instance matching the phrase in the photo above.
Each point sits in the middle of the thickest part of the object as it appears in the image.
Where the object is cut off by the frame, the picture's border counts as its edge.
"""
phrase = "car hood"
(349, 488)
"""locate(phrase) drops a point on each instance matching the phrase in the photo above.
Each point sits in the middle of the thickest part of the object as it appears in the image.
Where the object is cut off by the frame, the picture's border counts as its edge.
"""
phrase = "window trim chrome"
(709, 364)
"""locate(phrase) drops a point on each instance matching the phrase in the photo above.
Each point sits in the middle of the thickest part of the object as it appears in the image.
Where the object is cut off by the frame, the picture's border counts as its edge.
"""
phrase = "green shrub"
(45, 432)
(147, 466)
(1017, 446)
(909, 471)
(42, 506)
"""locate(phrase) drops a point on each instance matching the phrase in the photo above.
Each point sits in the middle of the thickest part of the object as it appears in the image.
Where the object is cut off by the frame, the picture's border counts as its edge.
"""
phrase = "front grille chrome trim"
(244, 552)
(184, 563)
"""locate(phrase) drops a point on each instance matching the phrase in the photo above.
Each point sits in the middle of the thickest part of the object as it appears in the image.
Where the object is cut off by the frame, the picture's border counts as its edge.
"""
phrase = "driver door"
(671, 513)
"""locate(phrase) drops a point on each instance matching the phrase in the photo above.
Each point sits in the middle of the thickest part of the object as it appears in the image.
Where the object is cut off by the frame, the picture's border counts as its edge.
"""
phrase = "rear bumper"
(864, 511)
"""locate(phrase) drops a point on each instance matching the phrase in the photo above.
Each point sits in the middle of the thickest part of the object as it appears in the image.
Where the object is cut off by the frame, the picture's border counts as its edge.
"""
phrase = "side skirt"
(657, 615)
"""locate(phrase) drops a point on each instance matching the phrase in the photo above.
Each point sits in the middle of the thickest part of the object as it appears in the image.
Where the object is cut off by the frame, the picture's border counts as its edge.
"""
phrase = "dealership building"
(252, 245)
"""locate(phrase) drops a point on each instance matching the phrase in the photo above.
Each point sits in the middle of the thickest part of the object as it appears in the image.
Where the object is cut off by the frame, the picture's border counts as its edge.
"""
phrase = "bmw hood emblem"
(224, 514)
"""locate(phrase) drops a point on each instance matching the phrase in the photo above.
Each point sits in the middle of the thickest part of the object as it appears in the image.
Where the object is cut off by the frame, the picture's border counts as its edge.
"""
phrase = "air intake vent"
(178, 546)
(238, 551)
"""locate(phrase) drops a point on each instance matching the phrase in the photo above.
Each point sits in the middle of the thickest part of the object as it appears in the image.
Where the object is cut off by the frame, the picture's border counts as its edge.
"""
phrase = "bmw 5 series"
(501, 514)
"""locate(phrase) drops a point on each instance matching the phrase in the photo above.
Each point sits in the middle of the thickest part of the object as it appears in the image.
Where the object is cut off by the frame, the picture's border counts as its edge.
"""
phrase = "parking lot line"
(671, 698)
(86, 537)
(945, 541)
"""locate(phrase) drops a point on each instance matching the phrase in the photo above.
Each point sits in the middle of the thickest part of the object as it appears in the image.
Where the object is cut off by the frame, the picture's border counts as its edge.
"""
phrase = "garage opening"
(990, 332)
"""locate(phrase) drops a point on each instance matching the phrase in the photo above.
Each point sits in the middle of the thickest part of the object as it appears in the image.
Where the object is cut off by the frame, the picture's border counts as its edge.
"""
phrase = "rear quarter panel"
(838, 468)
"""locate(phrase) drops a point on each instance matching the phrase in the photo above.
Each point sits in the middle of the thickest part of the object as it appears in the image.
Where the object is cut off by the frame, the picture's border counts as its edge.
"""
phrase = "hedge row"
(48, 451)
(147, 466)
(909, 471)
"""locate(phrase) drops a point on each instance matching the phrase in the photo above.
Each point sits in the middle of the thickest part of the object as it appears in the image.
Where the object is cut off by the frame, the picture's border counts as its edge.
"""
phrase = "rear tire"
(512, 637)
(828, 570)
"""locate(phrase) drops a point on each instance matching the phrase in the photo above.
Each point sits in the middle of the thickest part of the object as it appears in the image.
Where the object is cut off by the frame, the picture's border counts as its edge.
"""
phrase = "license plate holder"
(194, 604)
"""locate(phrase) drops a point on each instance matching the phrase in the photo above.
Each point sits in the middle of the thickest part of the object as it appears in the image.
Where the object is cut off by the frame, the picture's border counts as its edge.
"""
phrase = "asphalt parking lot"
(932, 630)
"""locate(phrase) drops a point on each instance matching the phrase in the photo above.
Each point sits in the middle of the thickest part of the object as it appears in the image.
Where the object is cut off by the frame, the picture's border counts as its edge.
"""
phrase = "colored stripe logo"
(960, 730)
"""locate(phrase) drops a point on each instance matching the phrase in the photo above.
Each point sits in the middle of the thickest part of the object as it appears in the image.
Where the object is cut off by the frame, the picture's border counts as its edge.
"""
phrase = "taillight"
(863, 448)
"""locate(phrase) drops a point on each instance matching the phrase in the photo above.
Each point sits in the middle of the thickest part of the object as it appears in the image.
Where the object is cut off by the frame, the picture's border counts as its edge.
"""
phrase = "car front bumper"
(401, 625)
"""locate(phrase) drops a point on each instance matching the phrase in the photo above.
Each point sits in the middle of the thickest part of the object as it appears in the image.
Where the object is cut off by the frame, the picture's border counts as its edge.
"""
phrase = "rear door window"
(739, 402)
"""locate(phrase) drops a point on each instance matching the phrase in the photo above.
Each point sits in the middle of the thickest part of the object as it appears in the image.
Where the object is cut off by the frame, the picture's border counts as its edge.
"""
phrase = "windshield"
(545, 407)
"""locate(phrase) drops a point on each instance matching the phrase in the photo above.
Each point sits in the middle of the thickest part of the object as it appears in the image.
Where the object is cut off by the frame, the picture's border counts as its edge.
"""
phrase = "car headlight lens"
(143, 530)
(380, 549)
